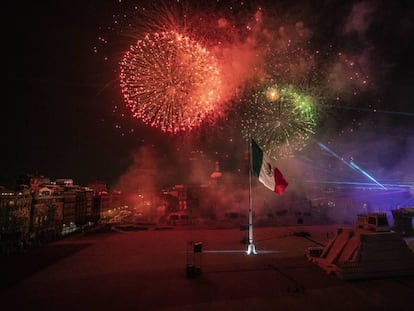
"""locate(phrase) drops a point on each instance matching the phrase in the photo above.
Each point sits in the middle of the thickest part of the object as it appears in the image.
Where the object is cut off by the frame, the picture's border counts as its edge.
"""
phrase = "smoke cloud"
(360, 19)
(351, 67)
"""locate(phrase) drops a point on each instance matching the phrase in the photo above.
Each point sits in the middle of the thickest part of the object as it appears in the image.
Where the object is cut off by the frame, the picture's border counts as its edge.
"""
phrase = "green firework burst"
(281, 119)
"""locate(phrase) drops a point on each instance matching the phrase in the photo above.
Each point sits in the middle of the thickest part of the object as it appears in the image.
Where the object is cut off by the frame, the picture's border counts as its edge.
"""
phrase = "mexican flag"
(267, 173)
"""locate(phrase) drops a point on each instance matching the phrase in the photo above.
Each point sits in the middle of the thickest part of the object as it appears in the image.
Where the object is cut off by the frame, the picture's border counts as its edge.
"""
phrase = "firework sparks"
(170, 82)
(192, 64)
(281, 119)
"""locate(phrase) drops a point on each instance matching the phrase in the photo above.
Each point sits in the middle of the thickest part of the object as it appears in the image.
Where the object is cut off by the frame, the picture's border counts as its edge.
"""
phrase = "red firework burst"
(170, 81)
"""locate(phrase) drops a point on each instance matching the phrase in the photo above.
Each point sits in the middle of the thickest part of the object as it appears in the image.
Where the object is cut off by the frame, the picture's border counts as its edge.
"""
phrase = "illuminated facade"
(15, 212)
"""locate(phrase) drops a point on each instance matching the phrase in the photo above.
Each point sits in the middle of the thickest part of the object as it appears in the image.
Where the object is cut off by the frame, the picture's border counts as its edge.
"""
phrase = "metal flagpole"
(251, 248)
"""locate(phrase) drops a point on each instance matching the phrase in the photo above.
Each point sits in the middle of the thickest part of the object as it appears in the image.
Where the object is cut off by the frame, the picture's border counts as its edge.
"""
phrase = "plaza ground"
(146, 270)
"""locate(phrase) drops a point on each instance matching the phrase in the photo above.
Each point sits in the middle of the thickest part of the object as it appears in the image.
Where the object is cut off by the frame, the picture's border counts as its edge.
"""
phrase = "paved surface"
(146, 270)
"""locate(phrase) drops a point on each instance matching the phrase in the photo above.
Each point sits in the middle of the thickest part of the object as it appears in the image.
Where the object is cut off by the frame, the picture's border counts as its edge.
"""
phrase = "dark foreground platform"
(146, 270)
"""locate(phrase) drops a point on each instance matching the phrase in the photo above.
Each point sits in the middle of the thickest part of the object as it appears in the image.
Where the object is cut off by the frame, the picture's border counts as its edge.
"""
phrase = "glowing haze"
(190, 64)
(288, 74)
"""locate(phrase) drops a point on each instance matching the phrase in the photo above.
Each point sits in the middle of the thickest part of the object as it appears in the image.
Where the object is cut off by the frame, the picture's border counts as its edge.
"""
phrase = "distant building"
(181, 191)
(14, 213)
(69, 206)
(102, 205)
(216, 176)
(64, 182)
(34, 182)
(78, 204)
(47, 210)
(98, 187)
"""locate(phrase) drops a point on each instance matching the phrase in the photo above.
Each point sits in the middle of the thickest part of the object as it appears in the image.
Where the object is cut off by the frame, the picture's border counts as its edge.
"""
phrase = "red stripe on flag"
(280, 182)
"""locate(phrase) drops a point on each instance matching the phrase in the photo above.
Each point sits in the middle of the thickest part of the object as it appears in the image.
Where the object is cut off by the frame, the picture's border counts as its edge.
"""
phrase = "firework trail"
(281, 120)
(170, 82)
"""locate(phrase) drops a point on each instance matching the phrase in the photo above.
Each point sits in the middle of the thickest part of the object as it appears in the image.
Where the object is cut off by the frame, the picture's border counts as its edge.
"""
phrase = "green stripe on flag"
(257, 158)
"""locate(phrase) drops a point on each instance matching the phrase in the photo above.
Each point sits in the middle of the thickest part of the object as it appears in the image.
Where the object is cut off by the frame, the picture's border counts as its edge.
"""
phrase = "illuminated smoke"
(254, 48)
(360, 18)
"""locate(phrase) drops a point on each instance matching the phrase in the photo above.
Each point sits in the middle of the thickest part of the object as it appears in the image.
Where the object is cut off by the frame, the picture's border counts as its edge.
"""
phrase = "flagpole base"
(251, 249)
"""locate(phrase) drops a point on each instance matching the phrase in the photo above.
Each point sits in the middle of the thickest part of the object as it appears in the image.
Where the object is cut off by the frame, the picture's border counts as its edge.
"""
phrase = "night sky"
(54, 121)
(57, 117)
